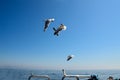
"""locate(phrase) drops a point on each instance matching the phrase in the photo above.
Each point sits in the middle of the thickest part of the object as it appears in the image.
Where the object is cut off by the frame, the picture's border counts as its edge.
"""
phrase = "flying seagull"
(47, 23)
(60, 28)
(70, 57)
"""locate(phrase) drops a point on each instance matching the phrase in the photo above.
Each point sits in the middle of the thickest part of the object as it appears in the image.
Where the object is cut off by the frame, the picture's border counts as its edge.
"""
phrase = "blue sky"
(92, 35)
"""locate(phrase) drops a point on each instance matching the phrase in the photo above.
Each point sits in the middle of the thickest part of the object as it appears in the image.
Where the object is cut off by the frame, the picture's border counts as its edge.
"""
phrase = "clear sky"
(92, 35)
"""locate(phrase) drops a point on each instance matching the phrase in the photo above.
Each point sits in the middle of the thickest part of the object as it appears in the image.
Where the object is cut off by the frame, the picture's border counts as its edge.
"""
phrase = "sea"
(23, 74)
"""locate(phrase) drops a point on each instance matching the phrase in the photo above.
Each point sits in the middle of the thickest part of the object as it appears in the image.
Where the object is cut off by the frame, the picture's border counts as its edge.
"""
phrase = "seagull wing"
(69, 57)
(47, 22)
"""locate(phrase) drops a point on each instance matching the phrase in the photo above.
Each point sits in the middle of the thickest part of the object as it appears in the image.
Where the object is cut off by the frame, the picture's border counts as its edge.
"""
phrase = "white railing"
(38, 76)
(75, 76)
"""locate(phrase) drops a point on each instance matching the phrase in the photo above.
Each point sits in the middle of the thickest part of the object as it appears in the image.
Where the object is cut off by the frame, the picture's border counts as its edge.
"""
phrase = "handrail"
(90, 77)
(74, 76)
(38, 76)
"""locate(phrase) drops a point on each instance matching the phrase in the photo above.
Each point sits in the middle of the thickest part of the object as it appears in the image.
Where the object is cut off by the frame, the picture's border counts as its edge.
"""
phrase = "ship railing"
(38, 76)
(89, 77)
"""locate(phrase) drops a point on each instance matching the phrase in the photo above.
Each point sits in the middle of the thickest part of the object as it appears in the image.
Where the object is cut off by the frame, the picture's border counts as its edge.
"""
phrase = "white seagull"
(60, 28)
(70, 57)
(47, 23)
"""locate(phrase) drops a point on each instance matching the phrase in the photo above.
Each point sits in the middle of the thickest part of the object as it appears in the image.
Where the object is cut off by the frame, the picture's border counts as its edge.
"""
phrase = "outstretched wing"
(47, 23)
(69, 57)
(54, 29)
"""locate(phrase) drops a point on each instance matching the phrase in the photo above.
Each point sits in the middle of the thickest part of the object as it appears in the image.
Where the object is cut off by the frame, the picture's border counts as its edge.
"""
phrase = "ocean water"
(22, 74)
